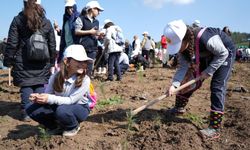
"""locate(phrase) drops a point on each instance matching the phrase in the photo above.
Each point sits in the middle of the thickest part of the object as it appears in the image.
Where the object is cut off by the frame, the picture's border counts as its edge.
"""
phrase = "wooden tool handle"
(150, 103)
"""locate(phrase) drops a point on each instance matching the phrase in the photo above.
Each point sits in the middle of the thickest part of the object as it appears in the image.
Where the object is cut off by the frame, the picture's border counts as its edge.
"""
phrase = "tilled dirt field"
(109, 126)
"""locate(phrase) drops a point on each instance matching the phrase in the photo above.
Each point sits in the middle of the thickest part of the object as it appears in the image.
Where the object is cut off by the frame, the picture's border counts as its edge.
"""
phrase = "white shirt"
(70, 94)
(124, 58)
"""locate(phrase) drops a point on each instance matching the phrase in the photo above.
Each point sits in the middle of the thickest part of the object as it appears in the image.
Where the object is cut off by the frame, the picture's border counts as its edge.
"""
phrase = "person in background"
(101, 57)
(227, 31)
(152, 51)
(64, 105)
(30, 76)
(165, 56)
(136, 45)
(114, 51)
(137, 59)
(2, 50)
(128, 49)
(67, 32)
(123, 62)
(145, 45)
(87, 29)
(213, 57)
(58, 41)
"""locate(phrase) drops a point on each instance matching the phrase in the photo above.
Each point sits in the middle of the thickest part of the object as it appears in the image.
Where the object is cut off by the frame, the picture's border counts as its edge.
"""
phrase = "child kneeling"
(64, 105)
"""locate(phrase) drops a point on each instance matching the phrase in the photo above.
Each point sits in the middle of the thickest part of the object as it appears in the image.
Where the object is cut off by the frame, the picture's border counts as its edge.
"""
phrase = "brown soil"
(153, 128)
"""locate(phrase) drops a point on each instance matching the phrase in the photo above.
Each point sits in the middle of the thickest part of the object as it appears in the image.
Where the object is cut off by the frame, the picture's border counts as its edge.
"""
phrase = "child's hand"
(204, 75)
(42, 98)
(33, 96)
(171, 91)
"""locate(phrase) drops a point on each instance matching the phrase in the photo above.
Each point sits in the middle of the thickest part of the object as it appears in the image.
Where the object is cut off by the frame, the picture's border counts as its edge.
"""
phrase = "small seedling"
(43, 135)
(102, 90)
(140, 72)
(130, 120)
(157, 120)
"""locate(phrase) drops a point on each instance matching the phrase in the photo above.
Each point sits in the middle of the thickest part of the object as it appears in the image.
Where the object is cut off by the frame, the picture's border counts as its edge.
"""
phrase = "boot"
(213, 130)
(180, 103)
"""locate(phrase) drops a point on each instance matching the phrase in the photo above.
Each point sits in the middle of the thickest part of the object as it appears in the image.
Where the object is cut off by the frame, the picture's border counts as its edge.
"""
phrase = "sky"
(137, 16)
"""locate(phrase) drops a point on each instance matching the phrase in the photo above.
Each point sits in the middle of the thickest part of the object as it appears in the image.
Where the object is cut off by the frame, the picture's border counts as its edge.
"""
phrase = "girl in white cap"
(28, 74)
(87, 29)
(65, 101)
(206, 52)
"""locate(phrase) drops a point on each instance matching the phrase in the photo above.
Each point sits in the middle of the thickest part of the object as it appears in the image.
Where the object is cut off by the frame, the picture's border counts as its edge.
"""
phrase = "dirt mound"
(110, 127)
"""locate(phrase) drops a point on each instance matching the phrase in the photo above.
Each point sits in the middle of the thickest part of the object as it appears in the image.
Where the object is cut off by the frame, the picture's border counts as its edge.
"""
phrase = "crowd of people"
(56, 92)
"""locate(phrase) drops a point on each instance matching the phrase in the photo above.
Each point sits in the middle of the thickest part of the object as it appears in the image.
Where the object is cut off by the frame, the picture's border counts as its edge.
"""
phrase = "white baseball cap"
(197, 23)
(175, 32)
(145, 32)
(93, 4)
(107, 21)
(76, 52)
(37, 1)
(69, 3)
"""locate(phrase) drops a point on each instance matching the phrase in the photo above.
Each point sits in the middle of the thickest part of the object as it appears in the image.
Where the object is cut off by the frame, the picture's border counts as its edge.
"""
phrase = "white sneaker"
(104, 70)
(72, 132)
(99, 70)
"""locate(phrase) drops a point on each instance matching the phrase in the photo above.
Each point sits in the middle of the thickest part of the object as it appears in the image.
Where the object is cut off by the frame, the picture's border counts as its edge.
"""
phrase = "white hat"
(69, 3)
(175, 32)
(93, 4)
(37, 1)
(145, 32)
(197, 23)
(76, 52)
(107, 21)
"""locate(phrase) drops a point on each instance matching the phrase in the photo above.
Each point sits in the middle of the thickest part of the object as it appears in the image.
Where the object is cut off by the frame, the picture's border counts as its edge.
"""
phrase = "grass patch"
(197, 120)
(109, 101)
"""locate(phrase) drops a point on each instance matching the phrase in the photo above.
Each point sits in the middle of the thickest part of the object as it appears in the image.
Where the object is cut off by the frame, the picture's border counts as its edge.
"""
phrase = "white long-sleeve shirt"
(70, 94)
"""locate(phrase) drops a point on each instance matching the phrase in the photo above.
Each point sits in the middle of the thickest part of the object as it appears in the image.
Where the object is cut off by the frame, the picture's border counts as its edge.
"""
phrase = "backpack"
(119, 39)
(92, 97)
(37, 47)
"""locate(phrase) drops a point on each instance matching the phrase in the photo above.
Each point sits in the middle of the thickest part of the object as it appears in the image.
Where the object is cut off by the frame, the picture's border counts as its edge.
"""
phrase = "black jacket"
(24, 72)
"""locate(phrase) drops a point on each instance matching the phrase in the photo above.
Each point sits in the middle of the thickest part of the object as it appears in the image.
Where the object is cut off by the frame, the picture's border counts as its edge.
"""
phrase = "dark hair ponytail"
(189, 38)
(34, 14)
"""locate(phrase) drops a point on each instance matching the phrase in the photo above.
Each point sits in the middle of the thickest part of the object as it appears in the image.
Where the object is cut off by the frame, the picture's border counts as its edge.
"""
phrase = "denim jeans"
(218, 85)
(67, 116)
(123, 67)
(113, 64)
(27, 90)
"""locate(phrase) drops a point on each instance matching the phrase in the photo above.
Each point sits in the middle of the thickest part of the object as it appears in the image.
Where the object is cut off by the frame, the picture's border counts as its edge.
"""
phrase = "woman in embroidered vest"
(208, 51)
